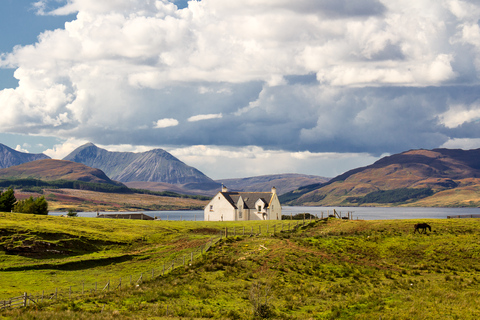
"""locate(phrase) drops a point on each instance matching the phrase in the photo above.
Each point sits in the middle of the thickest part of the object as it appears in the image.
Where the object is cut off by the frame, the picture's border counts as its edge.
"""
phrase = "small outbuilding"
(135, 216)
(243, 206)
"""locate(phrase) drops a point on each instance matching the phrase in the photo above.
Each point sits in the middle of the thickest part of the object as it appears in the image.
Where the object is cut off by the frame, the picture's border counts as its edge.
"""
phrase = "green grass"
(332, 269)
(89, 250)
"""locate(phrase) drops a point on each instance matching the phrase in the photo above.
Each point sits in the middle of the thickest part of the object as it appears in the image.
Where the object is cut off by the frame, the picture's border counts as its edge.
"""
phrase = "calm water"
(365, 213)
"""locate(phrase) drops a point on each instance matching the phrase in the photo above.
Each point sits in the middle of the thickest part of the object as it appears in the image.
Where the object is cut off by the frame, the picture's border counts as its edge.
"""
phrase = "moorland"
(327, 269)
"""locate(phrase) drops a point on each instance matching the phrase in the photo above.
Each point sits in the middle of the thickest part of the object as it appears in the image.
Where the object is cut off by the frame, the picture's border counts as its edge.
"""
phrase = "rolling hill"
(10, 157)
(52, 170)
(438, 177)
(283, 182)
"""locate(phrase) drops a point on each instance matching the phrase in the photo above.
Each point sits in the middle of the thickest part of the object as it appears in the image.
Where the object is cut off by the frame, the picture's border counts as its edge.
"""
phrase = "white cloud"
(61, 150)
(457, 115)
(165, 123)
(386, 74)
(201, 117)
(464, 143)
(22, 148)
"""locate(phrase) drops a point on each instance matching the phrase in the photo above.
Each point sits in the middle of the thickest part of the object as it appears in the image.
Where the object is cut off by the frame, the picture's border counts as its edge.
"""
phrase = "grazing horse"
(423, 226)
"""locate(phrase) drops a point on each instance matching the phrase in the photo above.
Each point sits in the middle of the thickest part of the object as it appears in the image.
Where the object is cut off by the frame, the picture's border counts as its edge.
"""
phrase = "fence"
(465, 216)
(103, 287)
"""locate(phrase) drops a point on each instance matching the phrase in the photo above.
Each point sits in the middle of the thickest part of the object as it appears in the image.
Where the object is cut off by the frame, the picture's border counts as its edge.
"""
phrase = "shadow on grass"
(73, 265)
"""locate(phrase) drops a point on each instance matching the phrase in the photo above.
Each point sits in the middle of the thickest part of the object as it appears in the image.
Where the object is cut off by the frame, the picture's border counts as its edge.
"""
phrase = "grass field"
(329, 269)
(85, 200)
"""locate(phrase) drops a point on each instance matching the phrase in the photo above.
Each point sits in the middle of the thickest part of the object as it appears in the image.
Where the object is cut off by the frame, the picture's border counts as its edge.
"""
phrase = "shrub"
(35, 206)
(72, 213)
(7, 200)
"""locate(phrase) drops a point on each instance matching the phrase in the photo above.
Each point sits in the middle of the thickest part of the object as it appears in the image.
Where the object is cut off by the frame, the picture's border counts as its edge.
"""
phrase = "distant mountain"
(282, 182)
(152, 166)
(10, 157)
(438, 177)
(49, 170)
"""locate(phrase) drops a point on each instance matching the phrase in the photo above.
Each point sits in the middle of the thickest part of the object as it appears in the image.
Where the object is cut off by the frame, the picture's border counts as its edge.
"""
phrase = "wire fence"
(135, 280)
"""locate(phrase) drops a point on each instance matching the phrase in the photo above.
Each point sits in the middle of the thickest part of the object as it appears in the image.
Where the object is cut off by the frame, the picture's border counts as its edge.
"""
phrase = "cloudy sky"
(241, 88)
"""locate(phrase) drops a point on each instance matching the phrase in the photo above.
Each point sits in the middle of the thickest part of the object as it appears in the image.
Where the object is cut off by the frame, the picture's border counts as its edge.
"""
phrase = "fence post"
(234, 232)
(191, 258)
(56, 293)
(25, 299)
(70, 292)
(260, 230)
(243, 231)
(163, 272)
(273, 229)
(251, 231)
(226, 232)
(95, 287)
(267, 229)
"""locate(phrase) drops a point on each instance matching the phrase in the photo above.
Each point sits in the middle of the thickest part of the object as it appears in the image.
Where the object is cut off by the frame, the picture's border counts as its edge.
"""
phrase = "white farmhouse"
(243, 206)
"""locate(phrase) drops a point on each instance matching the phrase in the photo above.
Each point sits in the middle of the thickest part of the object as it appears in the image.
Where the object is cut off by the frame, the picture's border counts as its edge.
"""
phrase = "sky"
(241, 88)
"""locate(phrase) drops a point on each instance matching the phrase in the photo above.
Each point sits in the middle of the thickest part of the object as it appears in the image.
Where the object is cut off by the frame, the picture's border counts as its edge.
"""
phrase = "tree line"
(8, 203)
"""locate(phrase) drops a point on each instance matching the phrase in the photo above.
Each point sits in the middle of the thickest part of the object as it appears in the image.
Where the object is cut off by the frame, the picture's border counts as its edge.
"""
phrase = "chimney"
(274, 190)
(224, 189)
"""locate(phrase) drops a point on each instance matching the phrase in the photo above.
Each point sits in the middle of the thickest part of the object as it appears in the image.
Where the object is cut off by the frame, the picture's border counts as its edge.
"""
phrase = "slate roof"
(249, 198)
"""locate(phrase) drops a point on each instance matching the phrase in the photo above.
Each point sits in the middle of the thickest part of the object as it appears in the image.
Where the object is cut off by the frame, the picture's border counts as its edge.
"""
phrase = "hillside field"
(327, 269)
(91, 201)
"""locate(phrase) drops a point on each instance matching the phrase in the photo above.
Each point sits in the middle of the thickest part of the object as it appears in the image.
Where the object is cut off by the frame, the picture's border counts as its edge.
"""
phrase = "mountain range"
(10, 157)
(282, 182)
(152, 166)
(438, 177)
(155, 170)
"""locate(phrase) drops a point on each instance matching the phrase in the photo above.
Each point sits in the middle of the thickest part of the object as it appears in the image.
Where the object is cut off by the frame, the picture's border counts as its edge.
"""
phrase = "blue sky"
(245, 88)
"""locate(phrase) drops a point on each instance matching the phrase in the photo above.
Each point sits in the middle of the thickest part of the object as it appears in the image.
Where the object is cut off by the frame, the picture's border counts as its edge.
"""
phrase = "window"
(259, 208)
(211, 207)
(240, 214)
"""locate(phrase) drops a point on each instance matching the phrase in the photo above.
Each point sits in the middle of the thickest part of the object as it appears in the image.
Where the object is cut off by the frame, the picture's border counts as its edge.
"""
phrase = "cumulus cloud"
(165, 123)
(367, 76)
(61, 150)
(459, 114)
(201, 117)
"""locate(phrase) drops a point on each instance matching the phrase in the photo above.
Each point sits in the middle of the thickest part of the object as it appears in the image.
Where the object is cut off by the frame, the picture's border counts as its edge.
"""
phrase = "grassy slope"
(451, 174)
(84, 200)
(331, 270)
(51, 169)
(90, 249)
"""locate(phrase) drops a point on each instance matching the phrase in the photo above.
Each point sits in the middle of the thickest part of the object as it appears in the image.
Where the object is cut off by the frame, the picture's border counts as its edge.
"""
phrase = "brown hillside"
(50, 169)
(441, 170)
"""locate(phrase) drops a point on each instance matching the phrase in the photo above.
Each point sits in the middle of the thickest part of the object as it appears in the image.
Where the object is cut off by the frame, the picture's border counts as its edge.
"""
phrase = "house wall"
(275, 209)
(221, 210)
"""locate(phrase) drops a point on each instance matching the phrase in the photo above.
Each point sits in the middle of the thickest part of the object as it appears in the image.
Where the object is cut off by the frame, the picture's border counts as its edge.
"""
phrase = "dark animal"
(422, 226)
